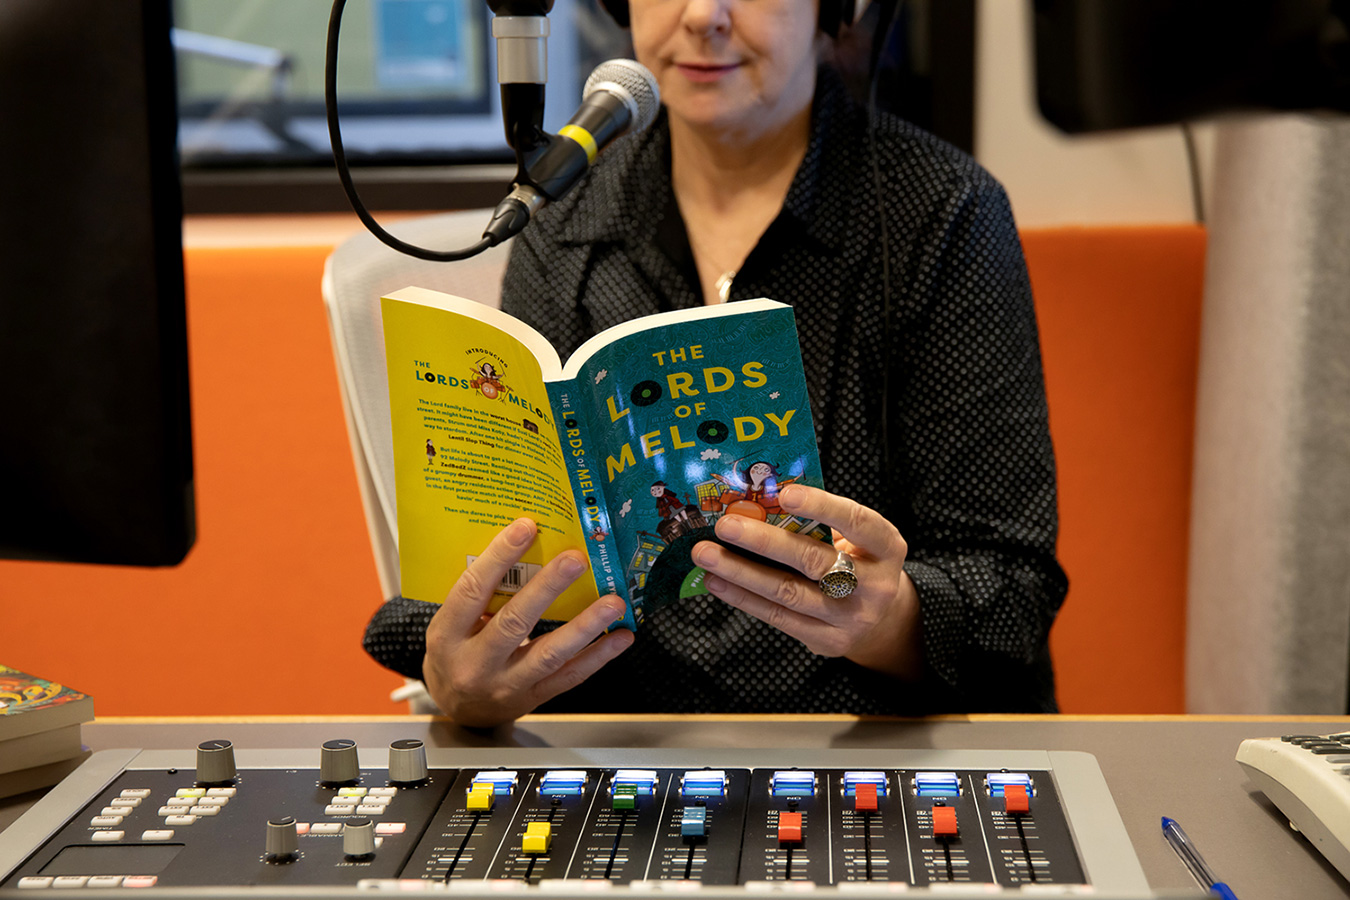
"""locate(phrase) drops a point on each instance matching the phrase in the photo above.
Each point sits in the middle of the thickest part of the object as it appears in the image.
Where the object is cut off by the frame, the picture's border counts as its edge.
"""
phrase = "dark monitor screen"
(1107, 64)
(95, 436)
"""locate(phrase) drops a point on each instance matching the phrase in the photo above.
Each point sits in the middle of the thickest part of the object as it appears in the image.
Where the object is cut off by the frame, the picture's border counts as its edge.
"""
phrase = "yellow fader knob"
(480, 797)
(538, 837)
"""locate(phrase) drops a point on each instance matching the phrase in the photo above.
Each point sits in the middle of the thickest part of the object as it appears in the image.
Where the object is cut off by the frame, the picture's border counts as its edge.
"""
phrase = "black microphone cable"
(344, 171)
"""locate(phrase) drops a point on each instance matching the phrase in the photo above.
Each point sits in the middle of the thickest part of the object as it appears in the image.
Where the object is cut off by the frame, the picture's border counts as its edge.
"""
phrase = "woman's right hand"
(483, 670)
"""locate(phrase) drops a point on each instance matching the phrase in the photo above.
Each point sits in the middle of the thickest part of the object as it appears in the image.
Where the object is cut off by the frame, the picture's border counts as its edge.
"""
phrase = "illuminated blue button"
(694, 821)
(853, 779)
(997, 781)
(563, 782)
(937, 784)
(704, 783)
(502, 781)
(644, 780)
(793, 783)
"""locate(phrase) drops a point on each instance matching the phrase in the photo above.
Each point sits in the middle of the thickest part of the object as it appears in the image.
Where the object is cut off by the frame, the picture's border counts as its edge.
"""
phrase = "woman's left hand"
(876, 626)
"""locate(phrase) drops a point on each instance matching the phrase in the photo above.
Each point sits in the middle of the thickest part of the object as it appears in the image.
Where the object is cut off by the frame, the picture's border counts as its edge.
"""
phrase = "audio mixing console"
(557, 820)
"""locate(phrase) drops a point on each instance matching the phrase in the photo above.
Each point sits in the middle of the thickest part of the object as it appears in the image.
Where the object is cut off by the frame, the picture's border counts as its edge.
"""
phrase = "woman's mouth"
(705, 73)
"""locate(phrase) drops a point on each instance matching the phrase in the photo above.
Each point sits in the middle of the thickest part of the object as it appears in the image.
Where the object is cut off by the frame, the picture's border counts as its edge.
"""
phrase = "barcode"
(515, 578)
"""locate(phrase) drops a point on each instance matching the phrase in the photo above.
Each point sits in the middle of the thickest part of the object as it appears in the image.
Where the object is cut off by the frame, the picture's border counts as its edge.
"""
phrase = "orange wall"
(1119, 312)
(266, 613)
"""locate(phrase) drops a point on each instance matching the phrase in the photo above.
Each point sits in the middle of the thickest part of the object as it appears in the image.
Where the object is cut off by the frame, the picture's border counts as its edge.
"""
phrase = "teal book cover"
(692, 419)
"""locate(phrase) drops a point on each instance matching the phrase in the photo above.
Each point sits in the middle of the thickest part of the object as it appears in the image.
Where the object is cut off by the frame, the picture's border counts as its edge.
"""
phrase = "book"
(38, 749)
(37, 777)
(630, 452)
(29, 705)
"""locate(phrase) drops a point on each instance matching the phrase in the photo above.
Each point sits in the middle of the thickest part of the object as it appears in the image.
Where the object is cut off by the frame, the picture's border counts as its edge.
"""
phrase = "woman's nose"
(707, 16)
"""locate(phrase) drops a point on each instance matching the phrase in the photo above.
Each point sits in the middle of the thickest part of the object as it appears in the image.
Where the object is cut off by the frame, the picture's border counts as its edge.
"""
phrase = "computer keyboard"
(1308, 777)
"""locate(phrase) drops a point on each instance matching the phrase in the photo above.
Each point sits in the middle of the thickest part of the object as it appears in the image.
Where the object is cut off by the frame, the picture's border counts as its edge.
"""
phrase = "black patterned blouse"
(941, 425)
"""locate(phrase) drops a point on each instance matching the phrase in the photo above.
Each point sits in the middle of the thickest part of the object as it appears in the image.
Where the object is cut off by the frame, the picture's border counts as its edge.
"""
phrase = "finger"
(804, 554)
(786, 589)
(866, 529)
(809, 629)
(550, 652)
(516, 619)
(585, 664)
(472, 592)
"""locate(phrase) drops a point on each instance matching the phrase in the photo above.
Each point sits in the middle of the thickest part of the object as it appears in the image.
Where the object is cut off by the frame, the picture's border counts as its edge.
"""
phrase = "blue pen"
(1193, 860)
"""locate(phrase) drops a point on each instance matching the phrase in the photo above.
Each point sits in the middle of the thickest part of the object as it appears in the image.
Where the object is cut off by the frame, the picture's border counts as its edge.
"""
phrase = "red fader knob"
(944, 821)
(1015, 799)
(865, 798)
(789, 828)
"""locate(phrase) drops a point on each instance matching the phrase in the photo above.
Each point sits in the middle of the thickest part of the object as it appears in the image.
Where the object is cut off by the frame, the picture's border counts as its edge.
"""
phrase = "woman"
(901, 260)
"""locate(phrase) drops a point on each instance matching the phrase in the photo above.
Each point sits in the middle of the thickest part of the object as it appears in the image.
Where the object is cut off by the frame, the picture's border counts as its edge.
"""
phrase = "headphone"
(833, 13)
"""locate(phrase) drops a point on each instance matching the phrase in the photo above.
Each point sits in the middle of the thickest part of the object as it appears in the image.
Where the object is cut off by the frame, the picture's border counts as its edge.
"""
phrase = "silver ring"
(840, 580)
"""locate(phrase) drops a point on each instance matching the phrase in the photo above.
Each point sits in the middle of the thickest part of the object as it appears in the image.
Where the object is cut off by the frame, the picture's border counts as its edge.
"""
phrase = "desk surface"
(1176, 766)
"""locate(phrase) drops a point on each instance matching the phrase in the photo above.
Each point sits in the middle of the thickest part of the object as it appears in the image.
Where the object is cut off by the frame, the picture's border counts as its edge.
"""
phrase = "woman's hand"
(484, 670)
(876, 626)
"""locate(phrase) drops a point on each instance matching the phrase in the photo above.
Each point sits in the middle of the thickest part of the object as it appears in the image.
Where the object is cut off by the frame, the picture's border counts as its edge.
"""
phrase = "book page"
(475, 447)
(697, 415)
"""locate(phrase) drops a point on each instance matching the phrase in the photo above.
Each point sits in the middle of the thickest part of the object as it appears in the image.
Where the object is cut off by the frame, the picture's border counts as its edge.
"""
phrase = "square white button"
(104, 881)
(157, 834)
(28, 882)
(179, 820)
(105, 836)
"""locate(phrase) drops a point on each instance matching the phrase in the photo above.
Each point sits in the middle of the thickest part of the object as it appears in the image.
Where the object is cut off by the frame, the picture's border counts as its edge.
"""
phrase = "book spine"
(596, 524)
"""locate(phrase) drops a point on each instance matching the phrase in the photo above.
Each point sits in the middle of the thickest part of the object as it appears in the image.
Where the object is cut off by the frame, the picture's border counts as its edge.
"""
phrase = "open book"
(630, 452)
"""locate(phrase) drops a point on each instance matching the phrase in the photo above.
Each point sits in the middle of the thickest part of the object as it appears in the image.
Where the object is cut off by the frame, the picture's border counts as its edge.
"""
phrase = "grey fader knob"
(407, 762)
(215, 762)
(282, 839)
(358, 837)
(338, 763)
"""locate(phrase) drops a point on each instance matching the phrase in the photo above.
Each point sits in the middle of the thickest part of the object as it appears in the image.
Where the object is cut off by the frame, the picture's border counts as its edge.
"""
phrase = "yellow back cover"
(475, 445)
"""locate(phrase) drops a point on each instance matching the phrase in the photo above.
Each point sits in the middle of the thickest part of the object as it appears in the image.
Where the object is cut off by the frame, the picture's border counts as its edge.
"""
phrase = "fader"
(347, 816)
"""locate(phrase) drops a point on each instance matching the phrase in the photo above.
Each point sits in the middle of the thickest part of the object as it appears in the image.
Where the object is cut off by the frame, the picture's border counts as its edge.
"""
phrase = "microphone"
(620, 96)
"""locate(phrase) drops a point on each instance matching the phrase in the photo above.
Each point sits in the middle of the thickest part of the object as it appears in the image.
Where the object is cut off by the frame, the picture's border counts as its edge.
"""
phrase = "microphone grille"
(633, 82)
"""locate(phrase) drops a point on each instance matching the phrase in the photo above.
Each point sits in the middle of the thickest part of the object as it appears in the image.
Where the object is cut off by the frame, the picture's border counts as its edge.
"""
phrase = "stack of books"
(39, 731)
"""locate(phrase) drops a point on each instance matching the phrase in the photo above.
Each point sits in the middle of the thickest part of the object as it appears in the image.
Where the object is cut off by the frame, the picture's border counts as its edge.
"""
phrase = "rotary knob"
(358, 838)
(215, 762)
(338, 763)
(407, 762)
(283, 842)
